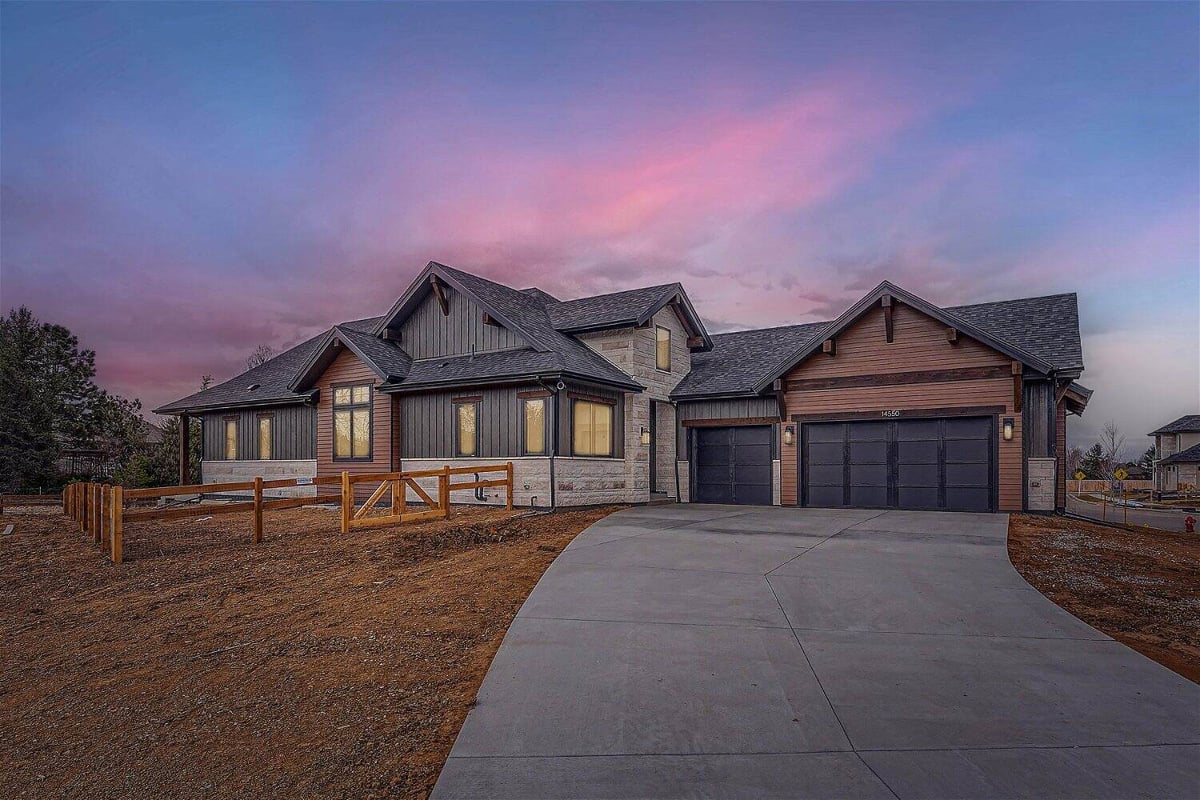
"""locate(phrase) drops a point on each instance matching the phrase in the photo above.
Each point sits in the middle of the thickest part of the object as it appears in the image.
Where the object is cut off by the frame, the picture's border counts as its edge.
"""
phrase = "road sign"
(1120, 474)
(1080, 474)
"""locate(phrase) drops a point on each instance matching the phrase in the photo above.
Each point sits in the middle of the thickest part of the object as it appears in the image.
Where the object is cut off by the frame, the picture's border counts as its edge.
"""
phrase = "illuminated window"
(466, 429)
(591, 429)
(230, 438)
(663, 343)
(264, 436)
(352, 423)
(535, 426)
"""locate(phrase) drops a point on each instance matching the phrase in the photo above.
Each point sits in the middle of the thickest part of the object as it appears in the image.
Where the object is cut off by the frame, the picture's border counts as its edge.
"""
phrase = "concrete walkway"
(719, 651)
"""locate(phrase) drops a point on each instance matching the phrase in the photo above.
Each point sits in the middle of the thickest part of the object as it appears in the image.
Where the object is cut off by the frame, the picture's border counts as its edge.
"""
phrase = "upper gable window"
(352, 423)
(663, 345)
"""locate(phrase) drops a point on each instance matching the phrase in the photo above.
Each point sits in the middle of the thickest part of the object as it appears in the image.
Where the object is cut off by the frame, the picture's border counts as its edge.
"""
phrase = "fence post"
(395, 498)
(444, 491)
(97, 502)
(84, 496)
(103, 516)
(509, 476)
(118, 512)
(347, 502)
(258, 510)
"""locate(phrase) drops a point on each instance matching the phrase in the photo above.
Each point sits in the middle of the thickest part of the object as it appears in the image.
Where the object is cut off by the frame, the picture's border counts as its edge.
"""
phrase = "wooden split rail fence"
(101, 510)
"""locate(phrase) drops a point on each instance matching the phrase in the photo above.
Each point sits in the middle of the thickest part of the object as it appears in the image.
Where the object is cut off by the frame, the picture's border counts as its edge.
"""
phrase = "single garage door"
(733, 465)
(945, 464)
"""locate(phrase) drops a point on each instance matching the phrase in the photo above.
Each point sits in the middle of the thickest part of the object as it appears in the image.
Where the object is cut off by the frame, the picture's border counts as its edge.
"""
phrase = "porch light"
(789, 435)
(1008, 429)
(646, 436)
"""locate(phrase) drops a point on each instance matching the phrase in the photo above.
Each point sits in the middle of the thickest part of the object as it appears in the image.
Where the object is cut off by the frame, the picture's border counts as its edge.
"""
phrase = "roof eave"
(170, 411)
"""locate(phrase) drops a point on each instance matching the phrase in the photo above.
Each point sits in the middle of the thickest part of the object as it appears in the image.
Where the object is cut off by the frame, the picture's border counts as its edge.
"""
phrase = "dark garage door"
(733, 465)
(945, 464)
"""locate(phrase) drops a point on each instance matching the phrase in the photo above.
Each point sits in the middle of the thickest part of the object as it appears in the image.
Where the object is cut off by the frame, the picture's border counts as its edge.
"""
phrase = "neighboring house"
(1177, 454)
(95, 459)
(623, 397)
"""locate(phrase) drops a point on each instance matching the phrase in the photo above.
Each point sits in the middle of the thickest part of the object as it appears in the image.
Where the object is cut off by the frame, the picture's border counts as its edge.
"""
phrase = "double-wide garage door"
(943, 464)
(733, 465)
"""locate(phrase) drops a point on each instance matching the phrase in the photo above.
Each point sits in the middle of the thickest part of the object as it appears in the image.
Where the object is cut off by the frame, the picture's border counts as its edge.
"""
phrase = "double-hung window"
(591, 428)
(535, 425)
(352, 423)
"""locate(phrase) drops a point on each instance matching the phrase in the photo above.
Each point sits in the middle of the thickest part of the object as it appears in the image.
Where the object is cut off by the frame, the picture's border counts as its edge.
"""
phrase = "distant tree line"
(51, 407)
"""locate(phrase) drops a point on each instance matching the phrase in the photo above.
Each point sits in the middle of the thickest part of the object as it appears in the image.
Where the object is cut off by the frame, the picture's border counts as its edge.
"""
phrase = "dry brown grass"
(311, 665)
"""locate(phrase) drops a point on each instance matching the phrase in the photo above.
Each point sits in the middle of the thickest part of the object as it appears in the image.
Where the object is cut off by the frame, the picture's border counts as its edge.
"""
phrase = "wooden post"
(402, 487)
(258, 510)
(97, 511)
(509, 475)
(347, 501)
(104, 512)
(396, 498)
(84, 498)
(185, 435)
(118, 512)
(444, 491)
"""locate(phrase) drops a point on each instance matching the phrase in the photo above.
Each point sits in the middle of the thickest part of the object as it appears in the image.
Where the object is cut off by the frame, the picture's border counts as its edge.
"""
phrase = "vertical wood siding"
(346, 368)
(293, 433)
(919, 344)
(430, 334)
(732, 408)
(1060, 450)
(1038, 415)
(427, 422)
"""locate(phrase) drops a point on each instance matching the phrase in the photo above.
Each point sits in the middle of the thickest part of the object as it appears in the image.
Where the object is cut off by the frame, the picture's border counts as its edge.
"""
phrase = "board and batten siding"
(919, 344)
(293, 433)
(427, 422)
(428, 333)
(348, 369)
(729, 408)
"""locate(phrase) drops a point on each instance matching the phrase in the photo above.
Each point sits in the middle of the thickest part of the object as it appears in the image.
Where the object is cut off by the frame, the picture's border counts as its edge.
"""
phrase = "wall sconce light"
(789, 435)
(1008, 429)
(646, 436)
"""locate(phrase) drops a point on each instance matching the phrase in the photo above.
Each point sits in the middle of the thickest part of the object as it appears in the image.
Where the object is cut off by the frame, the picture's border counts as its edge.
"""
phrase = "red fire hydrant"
(1189, 524)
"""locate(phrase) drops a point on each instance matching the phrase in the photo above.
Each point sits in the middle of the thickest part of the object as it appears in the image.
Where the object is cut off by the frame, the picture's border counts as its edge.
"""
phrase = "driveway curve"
(723, 651)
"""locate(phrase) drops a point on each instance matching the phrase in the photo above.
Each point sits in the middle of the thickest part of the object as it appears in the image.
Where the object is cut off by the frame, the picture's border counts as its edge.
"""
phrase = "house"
(1177, 454)
(625, 397)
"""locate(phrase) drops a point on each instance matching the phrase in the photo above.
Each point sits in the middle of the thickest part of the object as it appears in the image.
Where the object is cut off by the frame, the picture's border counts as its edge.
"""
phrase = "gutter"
(304, 400)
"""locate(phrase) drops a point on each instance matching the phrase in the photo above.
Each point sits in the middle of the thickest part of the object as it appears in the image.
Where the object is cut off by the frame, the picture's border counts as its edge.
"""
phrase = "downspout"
(553, 436)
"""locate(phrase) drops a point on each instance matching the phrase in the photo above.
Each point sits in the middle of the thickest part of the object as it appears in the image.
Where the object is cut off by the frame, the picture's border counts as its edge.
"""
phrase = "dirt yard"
(1142, 587)
(311, 665)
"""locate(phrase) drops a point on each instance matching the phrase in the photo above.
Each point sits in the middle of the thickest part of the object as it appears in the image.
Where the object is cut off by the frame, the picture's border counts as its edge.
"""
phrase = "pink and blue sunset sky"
(183, 182)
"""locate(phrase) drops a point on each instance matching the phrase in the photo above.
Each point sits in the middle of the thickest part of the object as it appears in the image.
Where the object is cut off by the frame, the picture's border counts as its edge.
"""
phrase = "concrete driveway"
(720, 651)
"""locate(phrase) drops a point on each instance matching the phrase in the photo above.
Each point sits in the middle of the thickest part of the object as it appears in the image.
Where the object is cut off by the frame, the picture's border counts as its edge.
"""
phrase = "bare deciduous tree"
(1112, 445)
(261, 354)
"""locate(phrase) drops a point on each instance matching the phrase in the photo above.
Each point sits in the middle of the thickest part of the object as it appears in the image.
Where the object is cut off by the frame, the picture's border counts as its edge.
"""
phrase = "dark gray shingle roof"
(1047, 327)
(386, 357)
(473, 369)
(608, 310)
(1189, 423)
(738, 360)
(1188, 456)
(272, 377)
